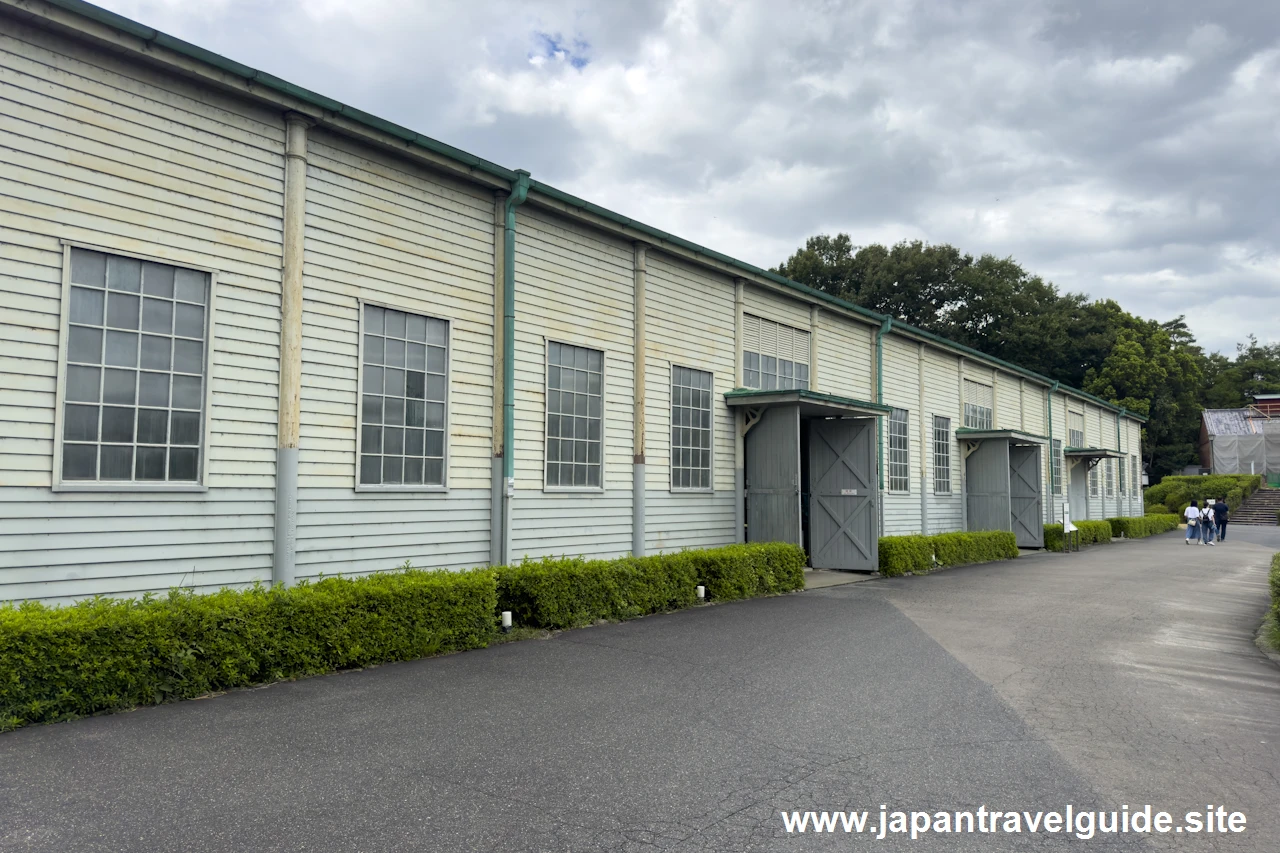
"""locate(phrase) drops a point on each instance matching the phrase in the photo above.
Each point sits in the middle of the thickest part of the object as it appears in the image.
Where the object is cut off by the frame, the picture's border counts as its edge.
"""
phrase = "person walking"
(1192, 514)
(1220, 514)
(1207, 526)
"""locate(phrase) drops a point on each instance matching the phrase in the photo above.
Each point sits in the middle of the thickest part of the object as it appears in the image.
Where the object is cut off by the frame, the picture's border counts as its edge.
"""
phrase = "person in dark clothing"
(1220, 517)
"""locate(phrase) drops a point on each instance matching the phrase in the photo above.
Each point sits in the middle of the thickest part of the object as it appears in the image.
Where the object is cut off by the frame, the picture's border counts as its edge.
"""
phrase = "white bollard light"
(506, 621)
(702, 592)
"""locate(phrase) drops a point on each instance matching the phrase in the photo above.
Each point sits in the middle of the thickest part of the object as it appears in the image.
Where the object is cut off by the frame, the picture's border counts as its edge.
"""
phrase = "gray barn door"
(773, 477)
(1077, 494)
(842, 486)
(1025, 507)
(986, 481)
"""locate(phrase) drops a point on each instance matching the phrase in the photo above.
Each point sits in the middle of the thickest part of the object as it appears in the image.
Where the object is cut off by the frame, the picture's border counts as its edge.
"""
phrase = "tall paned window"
(1135, 481)
(774, 357)
(136, 372)
(979, 405)
(1075, 429)
(690, 428)
(1093, 481)
(404, 395)
(1056, 471)
(1120, 466)
(575, 416)
(941, 455)
(899, 451)
(1111, 476)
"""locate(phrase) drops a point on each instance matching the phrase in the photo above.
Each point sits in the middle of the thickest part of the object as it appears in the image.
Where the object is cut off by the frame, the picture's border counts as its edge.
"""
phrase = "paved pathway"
(1121, 675)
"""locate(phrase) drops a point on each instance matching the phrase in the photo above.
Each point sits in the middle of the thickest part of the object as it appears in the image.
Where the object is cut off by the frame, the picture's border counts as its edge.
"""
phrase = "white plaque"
(848, 491)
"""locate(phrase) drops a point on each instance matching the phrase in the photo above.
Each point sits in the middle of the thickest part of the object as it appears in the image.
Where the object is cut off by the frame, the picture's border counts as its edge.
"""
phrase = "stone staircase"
(1259, 508)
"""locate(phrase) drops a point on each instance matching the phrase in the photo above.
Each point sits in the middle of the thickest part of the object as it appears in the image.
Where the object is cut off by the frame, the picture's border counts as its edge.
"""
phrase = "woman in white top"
(1192, 514)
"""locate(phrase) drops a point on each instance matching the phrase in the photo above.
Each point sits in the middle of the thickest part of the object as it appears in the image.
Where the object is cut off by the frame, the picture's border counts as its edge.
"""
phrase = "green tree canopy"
(997, 307)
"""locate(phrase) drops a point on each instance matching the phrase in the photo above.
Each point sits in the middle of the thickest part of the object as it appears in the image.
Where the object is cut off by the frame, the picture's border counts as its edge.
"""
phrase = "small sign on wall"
(853, 492)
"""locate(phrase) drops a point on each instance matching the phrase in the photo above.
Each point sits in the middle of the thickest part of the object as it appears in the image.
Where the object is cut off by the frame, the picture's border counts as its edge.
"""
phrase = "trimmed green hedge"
(571, 592)
(1138, 527)
(1091, 533)
(744, 571)
(1176, 492)
(919, 554)
(57, 663)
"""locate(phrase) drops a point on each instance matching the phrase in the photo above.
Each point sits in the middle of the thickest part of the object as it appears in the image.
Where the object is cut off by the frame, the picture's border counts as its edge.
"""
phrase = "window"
(979, 405)
(404, 393)
(1055, 473)
(690, 428)
(1075, 429)
(941, 455)
(1093, 481)
(135, 377)
(1135, 481)
(1120, 463)
(774, 356)
(899, 452)
(1111, 476)
(575, 404)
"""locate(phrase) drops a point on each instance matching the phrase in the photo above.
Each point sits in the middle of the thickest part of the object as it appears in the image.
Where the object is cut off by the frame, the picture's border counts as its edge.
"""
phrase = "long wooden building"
(249, 333)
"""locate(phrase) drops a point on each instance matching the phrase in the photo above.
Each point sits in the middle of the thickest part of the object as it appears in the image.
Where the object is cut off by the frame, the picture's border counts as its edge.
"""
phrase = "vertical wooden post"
(290, 391)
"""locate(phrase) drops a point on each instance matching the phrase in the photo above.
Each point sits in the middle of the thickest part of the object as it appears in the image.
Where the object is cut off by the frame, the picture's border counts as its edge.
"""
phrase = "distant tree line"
(997, 307)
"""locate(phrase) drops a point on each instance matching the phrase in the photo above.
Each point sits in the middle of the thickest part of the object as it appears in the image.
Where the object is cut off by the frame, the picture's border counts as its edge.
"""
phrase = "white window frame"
(984, 417)
(383, 488)
(941, 448)
(794, 353)
(1056, 466)
(1094, 488)
(1135, 484)
(201, 483)
(904, 463)
(604, 413)
(1109, 477)
(1071, 430)
(711, 459)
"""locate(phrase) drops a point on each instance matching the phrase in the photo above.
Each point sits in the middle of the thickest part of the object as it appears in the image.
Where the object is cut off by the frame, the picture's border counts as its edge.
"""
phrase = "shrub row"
(57, 663)
(919, 554)
(1138, 527)
(1175, 493)
(1274, 628)
(566, 593)
(1091, 533)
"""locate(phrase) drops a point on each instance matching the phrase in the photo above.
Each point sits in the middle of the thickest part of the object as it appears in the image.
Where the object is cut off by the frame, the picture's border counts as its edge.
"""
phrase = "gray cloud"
(1124, 150)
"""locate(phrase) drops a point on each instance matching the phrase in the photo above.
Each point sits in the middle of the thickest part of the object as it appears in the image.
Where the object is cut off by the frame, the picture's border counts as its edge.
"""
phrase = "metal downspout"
(639, 349)
(1052, 459)
(884, 329)
(519, 192)
(1120, 494)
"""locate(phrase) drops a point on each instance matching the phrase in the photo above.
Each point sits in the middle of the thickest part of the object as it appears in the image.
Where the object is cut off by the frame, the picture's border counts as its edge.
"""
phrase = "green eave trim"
(1093, 453)
(983, 434)
(803, 394)
(261, 78)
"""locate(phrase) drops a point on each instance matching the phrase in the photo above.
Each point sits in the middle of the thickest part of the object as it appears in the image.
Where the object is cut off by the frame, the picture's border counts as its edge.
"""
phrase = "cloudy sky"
(1127, 150)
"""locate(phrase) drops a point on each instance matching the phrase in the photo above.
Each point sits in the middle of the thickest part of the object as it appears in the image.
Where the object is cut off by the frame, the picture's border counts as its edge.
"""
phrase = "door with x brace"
(843, 530)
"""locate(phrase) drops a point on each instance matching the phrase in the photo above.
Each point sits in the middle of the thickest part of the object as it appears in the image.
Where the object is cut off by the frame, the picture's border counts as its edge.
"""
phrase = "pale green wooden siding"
(98, 151)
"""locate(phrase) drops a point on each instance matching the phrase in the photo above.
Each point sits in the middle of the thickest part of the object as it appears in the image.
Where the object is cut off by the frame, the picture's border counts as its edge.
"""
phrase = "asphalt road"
(1124, 675)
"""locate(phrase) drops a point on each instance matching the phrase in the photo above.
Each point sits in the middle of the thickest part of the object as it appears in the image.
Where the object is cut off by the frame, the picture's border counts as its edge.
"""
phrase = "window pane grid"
(1109, 464)
(690, 428)
(979, 405)
(899, 452)
(1093, 481)
(575, 417)
(134, 390)
(1056, 470)
(404, 398)
(776, 357)
(941, 455)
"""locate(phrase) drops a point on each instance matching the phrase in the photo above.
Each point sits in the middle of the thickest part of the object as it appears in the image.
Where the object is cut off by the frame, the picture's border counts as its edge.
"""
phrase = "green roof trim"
(805, 394)
(269, 81)
(1093, 452)
(967, 432)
